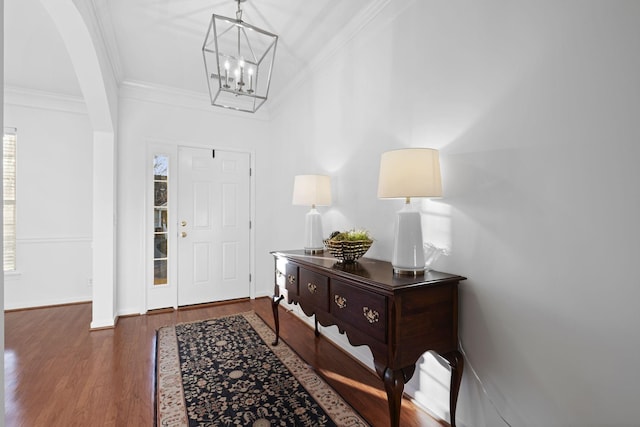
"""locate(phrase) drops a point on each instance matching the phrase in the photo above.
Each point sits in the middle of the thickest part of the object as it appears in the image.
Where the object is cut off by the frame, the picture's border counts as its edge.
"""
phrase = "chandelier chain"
(239, 11)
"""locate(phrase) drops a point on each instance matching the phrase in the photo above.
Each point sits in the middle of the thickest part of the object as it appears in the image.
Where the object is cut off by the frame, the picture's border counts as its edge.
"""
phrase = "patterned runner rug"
(224, 372)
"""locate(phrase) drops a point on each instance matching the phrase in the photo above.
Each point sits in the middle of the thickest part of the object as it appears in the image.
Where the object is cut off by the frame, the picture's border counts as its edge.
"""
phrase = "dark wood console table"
(398, 317)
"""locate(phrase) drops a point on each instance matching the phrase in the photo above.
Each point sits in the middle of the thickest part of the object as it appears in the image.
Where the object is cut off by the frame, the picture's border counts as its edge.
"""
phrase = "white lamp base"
(408, 249)
(313, 232)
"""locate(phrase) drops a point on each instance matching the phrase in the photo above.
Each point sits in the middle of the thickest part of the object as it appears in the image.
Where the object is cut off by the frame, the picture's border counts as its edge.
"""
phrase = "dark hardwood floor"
(58, 373)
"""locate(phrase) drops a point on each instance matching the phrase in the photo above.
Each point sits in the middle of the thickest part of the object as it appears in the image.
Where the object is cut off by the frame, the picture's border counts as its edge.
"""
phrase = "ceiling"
(158, 42)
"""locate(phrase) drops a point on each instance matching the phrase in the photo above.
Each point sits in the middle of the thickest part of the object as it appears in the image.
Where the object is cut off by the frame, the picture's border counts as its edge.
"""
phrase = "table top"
(371, 271)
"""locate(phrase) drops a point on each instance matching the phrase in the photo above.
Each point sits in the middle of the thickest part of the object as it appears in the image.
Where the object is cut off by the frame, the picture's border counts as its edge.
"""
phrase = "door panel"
(229, 205)
(213, 253)
(230, 260)
(201, 251)
(202, 192)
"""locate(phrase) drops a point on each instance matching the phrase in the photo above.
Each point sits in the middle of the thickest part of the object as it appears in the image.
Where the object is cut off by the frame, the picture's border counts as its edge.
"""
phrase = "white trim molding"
(166, 95)
(32, 98)
(53, 240)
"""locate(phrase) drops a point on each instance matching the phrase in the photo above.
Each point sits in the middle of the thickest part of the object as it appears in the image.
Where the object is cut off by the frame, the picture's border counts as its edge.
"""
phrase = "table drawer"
(364, 310)
(291, 279)
(314, 290)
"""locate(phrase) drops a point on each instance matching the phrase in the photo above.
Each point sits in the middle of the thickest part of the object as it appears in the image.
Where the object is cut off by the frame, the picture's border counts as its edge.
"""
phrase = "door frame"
(170, 149)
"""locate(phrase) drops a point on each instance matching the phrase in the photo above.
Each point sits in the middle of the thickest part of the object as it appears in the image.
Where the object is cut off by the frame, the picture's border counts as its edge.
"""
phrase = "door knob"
(183, 234)
(183, 223)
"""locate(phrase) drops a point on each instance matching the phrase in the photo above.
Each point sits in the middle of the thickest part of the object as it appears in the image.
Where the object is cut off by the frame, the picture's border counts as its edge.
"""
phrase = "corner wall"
(54, 175)
(534, 106)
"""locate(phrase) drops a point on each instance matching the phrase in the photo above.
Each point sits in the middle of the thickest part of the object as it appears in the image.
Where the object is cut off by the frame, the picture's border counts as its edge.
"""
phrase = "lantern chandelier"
(238, 60)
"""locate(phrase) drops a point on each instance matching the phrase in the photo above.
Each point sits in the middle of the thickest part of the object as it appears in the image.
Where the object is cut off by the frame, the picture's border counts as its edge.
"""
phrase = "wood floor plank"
(58, 373)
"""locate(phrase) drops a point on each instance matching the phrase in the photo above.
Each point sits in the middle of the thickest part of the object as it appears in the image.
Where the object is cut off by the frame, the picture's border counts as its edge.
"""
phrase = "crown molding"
(32, 98)
(166, 95)
(338, 42)
(353, 28)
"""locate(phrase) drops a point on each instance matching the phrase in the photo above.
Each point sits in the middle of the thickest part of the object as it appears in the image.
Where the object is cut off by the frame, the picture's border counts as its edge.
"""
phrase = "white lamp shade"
(411, 172)
(312, 190)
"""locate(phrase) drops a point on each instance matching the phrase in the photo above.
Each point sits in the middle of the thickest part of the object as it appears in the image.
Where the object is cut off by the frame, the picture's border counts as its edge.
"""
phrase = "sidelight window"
(160, 218)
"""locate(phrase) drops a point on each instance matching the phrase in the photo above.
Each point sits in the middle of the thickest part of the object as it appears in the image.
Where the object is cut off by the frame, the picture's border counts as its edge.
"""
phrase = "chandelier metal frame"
(238, 59)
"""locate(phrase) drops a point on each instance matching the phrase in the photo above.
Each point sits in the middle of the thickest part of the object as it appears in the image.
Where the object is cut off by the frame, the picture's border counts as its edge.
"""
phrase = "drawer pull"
(291, 278)
(341, 302)
(371, 315)
(279, 273)
(312, 288)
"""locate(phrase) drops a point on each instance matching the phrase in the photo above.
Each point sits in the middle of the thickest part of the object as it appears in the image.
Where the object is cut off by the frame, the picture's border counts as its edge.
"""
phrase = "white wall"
(53, 199)
(161, 116)
(535, 108)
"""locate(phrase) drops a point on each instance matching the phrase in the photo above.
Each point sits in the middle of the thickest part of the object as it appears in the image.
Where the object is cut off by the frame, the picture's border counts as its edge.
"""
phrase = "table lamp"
(406, 173)
(312, 190)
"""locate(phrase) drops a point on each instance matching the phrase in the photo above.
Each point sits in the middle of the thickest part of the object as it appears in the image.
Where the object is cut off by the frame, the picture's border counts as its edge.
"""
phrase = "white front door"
(213, 225)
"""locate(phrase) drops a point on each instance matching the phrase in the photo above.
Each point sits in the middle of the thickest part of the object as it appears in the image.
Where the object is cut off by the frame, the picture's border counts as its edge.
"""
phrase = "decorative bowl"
(347, 250)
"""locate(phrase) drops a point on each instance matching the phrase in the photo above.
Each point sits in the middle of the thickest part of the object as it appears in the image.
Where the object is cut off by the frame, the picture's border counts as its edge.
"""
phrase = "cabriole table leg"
(275, 301)
(456, 361)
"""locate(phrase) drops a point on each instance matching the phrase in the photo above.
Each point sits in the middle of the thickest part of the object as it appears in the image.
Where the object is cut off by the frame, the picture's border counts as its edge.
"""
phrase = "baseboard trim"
(104, 324)
(213, 304)
(52, 305)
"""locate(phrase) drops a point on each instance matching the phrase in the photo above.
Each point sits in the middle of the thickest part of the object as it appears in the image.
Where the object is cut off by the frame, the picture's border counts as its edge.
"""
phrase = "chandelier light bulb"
(241, 65)
(226, 74)
(238, 80)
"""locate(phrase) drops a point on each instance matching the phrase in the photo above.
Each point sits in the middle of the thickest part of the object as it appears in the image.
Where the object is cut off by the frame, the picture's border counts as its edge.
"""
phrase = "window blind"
(9, 193)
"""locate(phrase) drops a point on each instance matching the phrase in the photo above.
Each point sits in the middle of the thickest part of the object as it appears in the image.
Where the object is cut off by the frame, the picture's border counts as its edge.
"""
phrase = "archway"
(79, 32)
